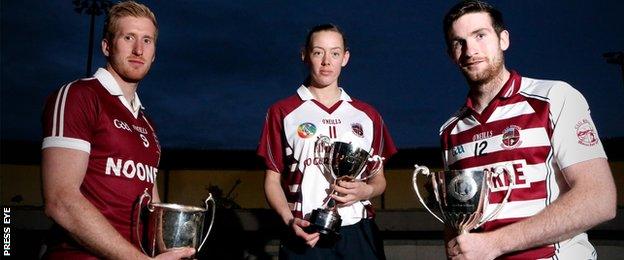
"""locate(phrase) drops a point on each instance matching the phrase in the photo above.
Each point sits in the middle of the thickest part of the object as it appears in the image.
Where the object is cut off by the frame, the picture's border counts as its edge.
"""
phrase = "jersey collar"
(109, 83)
(305, 94)
(511, 87)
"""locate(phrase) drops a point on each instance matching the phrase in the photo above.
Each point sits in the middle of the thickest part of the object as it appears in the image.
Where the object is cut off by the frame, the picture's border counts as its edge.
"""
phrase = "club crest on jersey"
(357, 129)
(306, 130)
(585, 133)
(511, 137)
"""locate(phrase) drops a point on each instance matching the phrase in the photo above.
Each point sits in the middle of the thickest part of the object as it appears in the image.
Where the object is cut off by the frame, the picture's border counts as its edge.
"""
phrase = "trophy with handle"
(171, 226)
(345, 161)
(462, 195)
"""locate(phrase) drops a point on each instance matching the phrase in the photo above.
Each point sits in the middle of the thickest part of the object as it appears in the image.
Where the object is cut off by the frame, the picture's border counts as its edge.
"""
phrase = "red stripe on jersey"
(532, 155)
(290, 178)
(370, 211)
(543, 109)
(536, 191)
(526, 121)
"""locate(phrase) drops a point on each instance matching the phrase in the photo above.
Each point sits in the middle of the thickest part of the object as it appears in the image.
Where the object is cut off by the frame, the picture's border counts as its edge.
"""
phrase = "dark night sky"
(219, 65)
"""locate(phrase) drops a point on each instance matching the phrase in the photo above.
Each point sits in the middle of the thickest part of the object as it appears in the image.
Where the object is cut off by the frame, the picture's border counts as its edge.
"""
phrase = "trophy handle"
(320, 151)
(497, 171)
(377, 166)
(149, 199)
(214, 208)
(424, 171)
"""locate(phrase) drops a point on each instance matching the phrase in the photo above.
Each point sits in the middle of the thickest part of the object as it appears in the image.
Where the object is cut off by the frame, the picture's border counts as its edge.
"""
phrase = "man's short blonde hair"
(124, 9)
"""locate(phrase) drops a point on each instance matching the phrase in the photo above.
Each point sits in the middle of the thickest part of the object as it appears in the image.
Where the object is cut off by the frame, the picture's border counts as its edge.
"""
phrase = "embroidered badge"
(357, 129)
(511, 137)
(585, 133)
(306, 130)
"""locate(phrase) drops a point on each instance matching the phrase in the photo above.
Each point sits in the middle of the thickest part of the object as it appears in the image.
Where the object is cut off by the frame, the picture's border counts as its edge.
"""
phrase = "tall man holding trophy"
(324, 155)
(547, 176)
(100, 152)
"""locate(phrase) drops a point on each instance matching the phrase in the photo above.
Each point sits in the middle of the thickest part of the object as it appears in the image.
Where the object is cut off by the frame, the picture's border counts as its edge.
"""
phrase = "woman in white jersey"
(295, 183)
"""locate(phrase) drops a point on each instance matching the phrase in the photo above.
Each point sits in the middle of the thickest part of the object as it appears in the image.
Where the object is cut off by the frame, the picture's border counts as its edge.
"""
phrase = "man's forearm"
(91, 229)
(589, 202)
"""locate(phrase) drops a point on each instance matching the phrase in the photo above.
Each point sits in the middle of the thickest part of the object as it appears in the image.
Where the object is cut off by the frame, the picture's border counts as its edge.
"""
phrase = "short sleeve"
(271, 145)
(68, 118)
(382, 141)
(575, 138)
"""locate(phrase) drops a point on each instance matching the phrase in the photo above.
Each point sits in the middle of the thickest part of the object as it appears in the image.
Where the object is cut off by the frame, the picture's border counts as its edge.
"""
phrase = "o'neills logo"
(306, 130)
(511, 137)
(357, 129)
(585, 133)
(131, 170)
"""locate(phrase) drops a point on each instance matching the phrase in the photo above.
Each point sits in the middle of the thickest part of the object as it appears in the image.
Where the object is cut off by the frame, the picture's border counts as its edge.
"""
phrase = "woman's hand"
(349, 192)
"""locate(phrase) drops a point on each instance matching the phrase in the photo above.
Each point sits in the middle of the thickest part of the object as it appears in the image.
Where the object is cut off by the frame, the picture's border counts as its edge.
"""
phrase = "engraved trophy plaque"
(462, 195)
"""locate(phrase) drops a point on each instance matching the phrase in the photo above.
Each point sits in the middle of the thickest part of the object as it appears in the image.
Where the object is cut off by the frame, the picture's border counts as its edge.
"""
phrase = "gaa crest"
(511, 137)
(585, 133)
(306, 130)
(357, 129)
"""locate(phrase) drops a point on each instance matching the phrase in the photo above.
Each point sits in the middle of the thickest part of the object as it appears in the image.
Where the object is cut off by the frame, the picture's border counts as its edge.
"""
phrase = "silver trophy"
(462, 195)
(171, 226)
(344, 161)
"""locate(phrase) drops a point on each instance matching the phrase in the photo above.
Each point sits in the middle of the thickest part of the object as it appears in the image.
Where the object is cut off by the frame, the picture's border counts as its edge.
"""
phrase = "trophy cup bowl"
(344, 161)
(462, 195)
(171, 226)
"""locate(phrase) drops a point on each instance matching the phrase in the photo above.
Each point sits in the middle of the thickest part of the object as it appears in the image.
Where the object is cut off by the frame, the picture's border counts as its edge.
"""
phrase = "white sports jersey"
(288, 140)
(534, 128)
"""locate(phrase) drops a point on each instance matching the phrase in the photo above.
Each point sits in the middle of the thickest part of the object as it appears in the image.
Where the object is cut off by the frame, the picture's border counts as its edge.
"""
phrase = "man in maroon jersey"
(538, 130)
(100, 151)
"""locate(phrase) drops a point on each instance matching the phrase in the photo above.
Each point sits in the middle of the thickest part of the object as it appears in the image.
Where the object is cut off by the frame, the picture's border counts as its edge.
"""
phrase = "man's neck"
(128, 88)
(481, 94)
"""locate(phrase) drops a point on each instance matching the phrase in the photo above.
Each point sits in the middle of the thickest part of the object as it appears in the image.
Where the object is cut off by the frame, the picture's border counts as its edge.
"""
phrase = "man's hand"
(472, 246)
(176, 254)
(297, 225)
(350, 192)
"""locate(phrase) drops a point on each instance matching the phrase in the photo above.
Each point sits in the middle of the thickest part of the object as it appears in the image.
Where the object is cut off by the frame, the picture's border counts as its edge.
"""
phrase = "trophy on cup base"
(345, 161)
(172, 226)
(462, 195)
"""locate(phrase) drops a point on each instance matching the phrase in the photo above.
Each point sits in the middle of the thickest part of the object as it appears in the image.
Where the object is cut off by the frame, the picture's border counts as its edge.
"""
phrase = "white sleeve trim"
(66, 142)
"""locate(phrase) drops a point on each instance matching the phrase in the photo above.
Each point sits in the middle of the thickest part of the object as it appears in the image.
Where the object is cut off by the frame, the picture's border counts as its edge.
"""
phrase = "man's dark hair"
(472, 6)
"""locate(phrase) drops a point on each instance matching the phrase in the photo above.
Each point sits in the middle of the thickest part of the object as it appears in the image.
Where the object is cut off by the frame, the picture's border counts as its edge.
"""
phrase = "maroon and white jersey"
(533, 128)
(287, 145)
(92, 115)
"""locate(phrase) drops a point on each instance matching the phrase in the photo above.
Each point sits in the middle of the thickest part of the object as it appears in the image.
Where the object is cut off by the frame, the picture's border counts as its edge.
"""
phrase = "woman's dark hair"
(325, 27)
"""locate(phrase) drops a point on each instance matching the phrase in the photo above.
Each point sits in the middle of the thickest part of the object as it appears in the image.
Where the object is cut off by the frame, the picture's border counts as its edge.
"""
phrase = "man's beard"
(493, 69)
